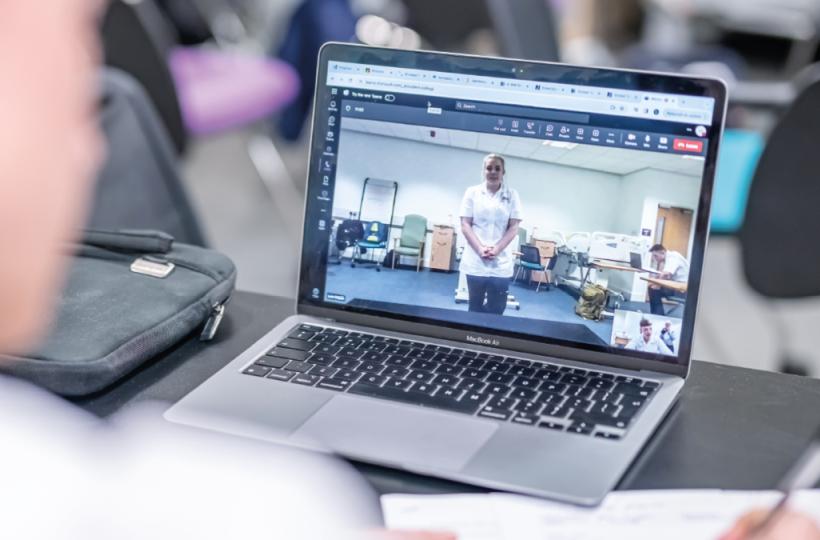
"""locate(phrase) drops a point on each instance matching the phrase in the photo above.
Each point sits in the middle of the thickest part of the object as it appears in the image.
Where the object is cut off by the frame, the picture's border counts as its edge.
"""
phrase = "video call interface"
(469, 200)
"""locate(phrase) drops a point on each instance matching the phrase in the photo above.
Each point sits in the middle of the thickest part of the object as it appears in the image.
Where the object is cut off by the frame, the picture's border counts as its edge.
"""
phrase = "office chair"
(779, 252)
(411, 241)
(348, 233)
(138, 186)
(531, 261)
(375, 237)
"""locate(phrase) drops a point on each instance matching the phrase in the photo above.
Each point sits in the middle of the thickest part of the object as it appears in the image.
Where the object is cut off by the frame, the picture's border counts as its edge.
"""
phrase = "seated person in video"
(490, 214)
(646, 342)
(672, 266)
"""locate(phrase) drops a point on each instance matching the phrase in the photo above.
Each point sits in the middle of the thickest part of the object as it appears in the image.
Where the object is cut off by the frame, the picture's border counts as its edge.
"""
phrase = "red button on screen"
(687, 145)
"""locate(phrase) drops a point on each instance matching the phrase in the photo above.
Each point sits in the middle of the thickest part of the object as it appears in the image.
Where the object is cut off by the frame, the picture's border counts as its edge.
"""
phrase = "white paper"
(627, 515)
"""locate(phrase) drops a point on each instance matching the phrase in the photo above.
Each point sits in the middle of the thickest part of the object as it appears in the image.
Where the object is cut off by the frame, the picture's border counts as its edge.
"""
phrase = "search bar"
(528, 112)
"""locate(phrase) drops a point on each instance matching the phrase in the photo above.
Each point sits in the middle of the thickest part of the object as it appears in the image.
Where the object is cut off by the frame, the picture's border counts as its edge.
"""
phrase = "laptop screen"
(511, 198)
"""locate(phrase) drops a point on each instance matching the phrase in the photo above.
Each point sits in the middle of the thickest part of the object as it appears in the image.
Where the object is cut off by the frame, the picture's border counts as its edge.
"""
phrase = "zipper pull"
(213, 322)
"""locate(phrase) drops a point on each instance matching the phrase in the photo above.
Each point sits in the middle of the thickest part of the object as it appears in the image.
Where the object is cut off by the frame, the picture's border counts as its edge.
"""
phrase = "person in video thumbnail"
(646, 342)
(672, 266)
(490, 214)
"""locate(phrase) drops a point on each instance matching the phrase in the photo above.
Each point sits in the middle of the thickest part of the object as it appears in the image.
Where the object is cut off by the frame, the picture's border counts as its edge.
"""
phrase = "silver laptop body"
(370, 101)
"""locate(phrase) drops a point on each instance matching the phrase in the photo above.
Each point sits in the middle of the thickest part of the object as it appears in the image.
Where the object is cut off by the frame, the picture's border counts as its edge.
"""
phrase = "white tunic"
(491, 214)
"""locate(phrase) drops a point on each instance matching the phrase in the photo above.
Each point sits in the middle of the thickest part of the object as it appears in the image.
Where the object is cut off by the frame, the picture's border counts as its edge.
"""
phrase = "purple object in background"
(221, 90)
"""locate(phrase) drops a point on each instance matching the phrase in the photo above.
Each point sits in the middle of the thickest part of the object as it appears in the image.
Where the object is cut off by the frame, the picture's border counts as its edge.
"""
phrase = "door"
(673, 228)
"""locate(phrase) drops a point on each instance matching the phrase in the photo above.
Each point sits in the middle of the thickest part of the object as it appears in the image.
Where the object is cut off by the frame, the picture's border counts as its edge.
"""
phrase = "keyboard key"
(311, 327)
(419, 375)
(425, 388)
(584, 428)
(473, 373)
(547, 375)
(477, 398)
(523, 393)
(578, 403)
(346, 363)
(427, 365)
(328, 339)
(397, 372)
(449, 369)
(394, 360)
(605, 435)
(504, 403)
(451, 392)
(297, 344)
(525, 382)
(301, 334)
(497, 414)
(325, 348)
(334, 384)
(349, 353)
(321, 359)
(298, 367)
(573, 379)
(272, 362)
(551, 425)
(529, 407)
(526, 419)
(631, 390)
(281, 375)
(522, 371)
(498, 389)
(348, 375)
(377, 380)
(305, 379)
(290, 354)
(556, 411)
(497, 367)
(549, 386)
(372, 356)
(446, 380)
(399, 384)
(371, 367)
(551, 398)
(258, 371)
(600, 384)
(324, 371)
(651, 385)
(500, 378)
(416, 398)
(582, 392)
(471, 363)
(474, 385)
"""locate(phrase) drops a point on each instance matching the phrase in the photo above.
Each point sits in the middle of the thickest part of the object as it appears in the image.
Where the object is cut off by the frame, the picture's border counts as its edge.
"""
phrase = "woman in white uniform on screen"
(490, 214)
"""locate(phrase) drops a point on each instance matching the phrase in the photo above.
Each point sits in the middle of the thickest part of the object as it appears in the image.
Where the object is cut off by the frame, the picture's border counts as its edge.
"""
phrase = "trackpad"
(380, 431)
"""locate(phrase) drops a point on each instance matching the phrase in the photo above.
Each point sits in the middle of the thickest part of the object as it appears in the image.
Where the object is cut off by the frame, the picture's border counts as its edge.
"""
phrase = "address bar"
(509, 96)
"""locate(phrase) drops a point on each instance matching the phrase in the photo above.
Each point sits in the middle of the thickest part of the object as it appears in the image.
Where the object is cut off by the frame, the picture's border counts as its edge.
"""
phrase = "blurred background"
(206, 129)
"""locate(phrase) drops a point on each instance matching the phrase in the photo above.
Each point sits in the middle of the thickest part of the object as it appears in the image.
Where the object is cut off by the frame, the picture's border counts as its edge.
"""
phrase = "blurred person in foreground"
(65, 473)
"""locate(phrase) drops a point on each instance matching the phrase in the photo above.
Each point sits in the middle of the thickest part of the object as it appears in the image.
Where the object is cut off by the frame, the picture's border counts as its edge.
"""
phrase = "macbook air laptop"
(383, 363)
(636, 262)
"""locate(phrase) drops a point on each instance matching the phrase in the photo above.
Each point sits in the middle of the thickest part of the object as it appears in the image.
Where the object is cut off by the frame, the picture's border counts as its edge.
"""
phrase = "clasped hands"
(489, 252)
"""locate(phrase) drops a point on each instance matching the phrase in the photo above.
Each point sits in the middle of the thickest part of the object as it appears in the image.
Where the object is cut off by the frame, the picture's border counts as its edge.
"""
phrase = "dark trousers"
(656, 297)
(491, 289)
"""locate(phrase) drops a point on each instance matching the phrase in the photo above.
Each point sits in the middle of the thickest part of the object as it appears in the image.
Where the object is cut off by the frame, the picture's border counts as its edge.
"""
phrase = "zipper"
(213, 322)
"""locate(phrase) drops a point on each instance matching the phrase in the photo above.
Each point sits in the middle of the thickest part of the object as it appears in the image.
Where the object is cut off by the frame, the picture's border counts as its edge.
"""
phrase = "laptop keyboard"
(502, 388)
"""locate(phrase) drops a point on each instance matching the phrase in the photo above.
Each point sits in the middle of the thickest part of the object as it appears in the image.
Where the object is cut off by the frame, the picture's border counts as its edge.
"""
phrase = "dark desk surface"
(733, 428)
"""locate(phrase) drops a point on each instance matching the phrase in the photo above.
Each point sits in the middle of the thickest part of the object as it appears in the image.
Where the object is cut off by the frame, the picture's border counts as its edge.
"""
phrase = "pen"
(804, 474)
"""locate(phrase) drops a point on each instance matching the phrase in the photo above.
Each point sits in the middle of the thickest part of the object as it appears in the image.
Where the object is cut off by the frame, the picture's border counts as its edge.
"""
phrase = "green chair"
(522, 239)
(411, 241)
